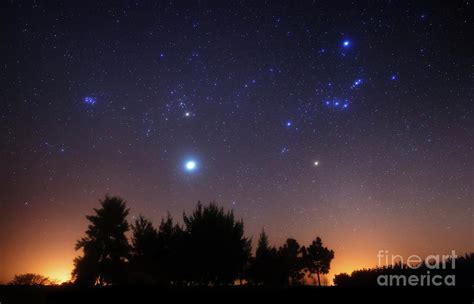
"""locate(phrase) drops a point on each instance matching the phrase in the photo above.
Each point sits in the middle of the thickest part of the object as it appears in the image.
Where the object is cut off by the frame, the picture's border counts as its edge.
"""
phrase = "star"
(316, 163)
(190, 165)
(289, 123)
(346, 43)
(356, 83)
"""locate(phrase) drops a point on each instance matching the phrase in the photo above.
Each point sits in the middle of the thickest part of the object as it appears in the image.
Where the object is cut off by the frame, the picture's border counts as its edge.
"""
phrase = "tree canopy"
(31, 279)
(105, 245)
(209, 248)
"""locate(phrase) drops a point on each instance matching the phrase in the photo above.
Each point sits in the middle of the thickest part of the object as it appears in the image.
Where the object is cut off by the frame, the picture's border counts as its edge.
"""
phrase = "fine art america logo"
(434, 270)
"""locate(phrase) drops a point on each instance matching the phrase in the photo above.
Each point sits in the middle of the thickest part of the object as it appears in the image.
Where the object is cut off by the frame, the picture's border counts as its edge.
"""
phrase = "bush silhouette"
(463, 272)
(31, 279)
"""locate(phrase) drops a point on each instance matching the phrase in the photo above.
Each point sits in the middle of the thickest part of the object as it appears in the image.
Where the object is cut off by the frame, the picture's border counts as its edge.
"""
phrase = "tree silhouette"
(216, 248)
(262, 266)
(342, 279)
(144, 250)
(105, 245)
(29, 279)
(317, 259)
(263, 248)
(290, 258)
(463, 272)
(171, 252)
(210, 249)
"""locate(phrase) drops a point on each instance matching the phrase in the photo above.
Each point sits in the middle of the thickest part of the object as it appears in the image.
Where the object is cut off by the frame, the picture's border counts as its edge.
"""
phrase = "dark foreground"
(129, 294)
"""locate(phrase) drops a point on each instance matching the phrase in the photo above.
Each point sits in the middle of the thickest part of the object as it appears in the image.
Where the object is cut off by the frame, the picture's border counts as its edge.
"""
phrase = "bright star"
(316, 163)
(393, 77)
(356, 83)
(190, 165)
(346, 43)
(289, 123)
(187, 114)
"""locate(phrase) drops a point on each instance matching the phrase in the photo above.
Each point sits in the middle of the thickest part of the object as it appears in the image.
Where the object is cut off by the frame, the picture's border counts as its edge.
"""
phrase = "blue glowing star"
(393, 77)
(356, 83)
(346, 43)
(289, 123)
(190, 165)
(90, 100)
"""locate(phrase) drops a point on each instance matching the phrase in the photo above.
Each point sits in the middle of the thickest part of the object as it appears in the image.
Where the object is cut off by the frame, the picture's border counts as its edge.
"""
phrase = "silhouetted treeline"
(31, 279)
(462, 273)
(289, 263)
(208, 249)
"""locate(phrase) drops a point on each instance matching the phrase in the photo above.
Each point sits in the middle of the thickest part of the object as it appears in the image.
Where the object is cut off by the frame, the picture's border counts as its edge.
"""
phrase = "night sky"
(349, 121)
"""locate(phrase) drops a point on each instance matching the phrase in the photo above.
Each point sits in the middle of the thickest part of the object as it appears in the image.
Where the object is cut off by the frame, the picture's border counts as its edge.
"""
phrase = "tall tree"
(143, 237)
(144, 249)
(216, 246)
(318, 258)
(291, 261)
(170, 251)
(105, 245)
(263, 248)
(263, 268)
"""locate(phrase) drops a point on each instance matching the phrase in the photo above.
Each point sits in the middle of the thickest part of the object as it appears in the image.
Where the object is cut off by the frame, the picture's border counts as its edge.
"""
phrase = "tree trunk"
(319, 279)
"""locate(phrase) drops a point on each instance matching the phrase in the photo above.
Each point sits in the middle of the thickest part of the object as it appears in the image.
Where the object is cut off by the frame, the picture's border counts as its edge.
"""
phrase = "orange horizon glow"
(58, 267)
(51, 253)
(59, 275)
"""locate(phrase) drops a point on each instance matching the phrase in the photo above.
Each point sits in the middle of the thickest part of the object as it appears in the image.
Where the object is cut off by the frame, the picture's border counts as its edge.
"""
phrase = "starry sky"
(352, 121)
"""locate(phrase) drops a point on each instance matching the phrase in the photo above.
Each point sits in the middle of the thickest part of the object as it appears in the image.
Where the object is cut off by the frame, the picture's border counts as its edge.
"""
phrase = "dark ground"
(129, 294)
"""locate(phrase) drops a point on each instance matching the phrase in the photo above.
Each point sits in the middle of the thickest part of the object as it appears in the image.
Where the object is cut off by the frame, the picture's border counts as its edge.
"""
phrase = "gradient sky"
(116, 96)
